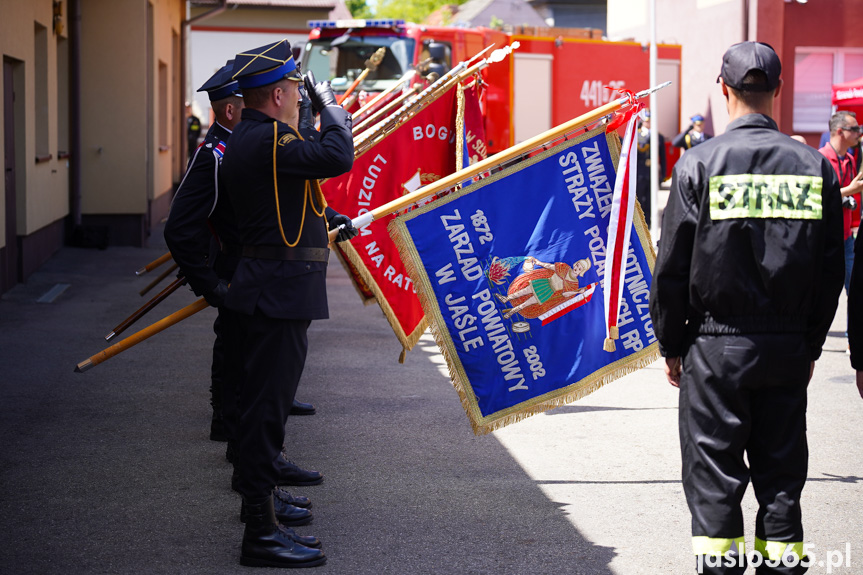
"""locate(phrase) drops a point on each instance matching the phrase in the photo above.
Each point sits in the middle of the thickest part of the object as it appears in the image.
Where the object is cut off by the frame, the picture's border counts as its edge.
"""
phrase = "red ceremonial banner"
(419, 152)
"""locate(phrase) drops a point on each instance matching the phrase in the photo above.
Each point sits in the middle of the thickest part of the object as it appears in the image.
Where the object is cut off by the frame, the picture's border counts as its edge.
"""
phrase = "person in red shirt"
(844, 133)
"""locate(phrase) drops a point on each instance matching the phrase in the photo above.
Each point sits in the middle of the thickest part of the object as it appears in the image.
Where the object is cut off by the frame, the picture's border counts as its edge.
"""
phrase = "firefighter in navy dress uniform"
(693, 135)
(202, 234)
(745, 287)
(202, 221)
(279, 287)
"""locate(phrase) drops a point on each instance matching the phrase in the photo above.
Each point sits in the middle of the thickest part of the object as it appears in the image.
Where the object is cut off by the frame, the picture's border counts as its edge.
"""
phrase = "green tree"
(410, 10)
(359, 9)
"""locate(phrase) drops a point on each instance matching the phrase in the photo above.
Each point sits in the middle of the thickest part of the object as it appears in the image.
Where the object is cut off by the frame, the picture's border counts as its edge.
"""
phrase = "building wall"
(706, 28)
(131, 113)
(114, 112)
(42, 187)
(131, 122)
(30, 42)
(838, 23)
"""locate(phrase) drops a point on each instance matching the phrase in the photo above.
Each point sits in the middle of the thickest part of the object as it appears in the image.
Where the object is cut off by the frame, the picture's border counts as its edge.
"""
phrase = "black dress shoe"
(292, 474)
(300, 408)
(306, 540)
(268, 544)
(286, 514)
(295, 500)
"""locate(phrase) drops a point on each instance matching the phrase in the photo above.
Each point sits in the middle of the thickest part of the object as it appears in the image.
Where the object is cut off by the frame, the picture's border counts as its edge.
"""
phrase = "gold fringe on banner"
(360, 286)
(408, 340)
(484, 424)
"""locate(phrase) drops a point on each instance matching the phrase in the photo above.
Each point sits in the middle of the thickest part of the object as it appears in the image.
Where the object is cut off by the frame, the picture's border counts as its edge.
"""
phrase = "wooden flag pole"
(140, 336)
(172, 287)
(156, 281)
(502, 157)
(153, 264)
(407, 77)
(371, 136)
(371, 65)
(385, 109)
(160, 325)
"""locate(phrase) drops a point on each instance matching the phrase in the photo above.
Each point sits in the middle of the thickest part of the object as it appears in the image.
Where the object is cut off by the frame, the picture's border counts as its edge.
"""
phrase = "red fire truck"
(555, 75)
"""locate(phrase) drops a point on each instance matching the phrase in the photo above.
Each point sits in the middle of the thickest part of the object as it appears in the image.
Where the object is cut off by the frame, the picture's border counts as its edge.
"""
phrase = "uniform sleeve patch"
(285, 138)
(765, 196)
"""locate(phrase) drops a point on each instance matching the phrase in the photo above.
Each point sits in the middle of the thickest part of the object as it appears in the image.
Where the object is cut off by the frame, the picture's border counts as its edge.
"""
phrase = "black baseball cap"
(744, 57)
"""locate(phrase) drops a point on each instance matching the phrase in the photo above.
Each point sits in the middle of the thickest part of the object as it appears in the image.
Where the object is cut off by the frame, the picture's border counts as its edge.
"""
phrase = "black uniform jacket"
(751, 240)
(277, 288)
(200, 209)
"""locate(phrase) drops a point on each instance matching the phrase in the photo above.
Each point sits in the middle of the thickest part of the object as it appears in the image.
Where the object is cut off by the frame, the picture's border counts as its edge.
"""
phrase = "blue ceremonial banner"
(509, 271)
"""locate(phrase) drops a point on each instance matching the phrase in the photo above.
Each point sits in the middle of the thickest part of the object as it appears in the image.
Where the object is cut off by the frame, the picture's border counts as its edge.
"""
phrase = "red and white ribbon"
(619, 228)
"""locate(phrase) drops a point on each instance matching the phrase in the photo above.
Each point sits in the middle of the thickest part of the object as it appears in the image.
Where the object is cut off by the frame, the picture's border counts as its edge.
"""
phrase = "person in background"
(693, 135)
(642, 180)
(193, 129)
(844, 134)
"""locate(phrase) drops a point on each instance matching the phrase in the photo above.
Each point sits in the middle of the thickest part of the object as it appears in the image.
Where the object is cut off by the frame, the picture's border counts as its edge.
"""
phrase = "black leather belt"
(285, 253)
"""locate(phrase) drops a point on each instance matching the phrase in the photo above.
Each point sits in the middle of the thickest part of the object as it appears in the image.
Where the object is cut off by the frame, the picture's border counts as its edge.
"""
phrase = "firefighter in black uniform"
(202, 234)
(270, 174)
(197, 212)
(745, 287)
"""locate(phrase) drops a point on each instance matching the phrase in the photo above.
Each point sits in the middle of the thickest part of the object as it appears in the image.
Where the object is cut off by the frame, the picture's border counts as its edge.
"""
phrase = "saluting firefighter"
(693, 135)
(270, 173)
(202, 234)
(745, 287)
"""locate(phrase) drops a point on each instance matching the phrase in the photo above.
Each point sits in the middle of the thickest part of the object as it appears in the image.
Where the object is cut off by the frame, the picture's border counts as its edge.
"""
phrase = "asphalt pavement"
(111, 470)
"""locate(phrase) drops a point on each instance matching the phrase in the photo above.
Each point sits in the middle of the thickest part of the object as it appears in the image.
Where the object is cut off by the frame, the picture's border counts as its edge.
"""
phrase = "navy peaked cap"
(221, 84)
(266, 65)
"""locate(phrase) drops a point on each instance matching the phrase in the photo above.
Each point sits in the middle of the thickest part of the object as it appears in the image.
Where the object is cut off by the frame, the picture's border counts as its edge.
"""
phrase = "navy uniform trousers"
(745, 394)
(274, 357)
